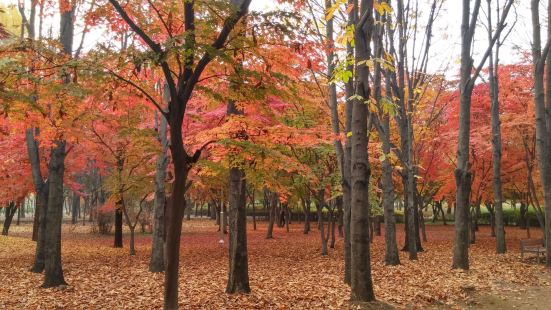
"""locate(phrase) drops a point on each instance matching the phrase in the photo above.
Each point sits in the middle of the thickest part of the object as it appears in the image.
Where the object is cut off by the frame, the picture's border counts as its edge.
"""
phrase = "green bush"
(511, 216)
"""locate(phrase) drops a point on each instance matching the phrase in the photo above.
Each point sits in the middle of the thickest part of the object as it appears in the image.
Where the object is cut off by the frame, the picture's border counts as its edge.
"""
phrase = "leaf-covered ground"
(285, 273)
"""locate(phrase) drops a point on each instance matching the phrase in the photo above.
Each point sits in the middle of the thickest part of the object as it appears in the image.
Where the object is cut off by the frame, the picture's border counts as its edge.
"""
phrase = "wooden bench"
(532, 246)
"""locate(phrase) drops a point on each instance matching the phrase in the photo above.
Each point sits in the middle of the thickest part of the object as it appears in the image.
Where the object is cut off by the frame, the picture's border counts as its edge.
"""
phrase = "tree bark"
(156, 262)
(319, 208)
(272, 215)
(41, 201)
(462, 171)
(347, 165)
(238, 272)
(75, 206)
(306, 208)
(360, 264)
(9, 213)
(53, 275)
(118, 225)
(493, 71)
(543, 119)
(132, 244)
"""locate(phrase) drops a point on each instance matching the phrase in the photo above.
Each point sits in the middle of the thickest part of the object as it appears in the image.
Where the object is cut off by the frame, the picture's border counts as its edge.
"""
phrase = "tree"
(360, 263)
(238, 271)
(541, 60)
(157, 260)
(463, 171)
(181, 90)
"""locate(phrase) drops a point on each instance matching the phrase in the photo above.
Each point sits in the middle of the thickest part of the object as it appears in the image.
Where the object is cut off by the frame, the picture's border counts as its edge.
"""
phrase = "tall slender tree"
(157, 260)
(360, 263)
(468, 78)
(541, 60)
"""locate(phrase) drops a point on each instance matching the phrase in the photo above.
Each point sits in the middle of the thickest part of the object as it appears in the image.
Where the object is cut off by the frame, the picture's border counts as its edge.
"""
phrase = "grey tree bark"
(463, 171)
(75, 206)
(238, 272)
(53, 275)
(493, 72)
(41, 202)
(347, 165)
(360, 263)
(391, 247)
(272, 213)
(156, 262)
(543, 118)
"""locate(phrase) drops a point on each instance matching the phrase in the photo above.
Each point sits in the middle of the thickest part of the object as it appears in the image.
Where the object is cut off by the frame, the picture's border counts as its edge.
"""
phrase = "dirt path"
(510, 296)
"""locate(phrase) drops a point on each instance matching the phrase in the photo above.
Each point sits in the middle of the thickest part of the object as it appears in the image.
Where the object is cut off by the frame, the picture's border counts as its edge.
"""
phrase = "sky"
(446, 41)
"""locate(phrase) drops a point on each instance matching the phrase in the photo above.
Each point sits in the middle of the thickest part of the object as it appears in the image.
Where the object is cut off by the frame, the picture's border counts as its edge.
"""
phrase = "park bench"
(532, 246)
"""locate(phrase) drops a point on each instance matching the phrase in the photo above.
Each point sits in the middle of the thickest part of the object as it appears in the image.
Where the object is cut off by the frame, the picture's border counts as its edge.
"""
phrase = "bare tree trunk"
(19, 212)
(75, 207)
(272, 206)
(463, 171)
(10, 212)
(306, 208)
(347, 165)
(238, 272)
(118, 226)
(41, 201)
(132, 243)
(332, 222)
(53, 275)
(360, 264)
(498, 228)
(543, 118)
(254, 210)
(321, 228)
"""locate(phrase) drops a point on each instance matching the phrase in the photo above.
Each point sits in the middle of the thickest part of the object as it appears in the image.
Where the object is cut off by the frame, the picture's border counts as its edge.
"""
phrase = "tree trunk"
(118, 226)
(306, 209)
(338, 201)
(41, 201)
(332, 223)
(9, 213)
(347, 165)
(238, 272)
(498, 229)
(75, 206)
(377, 225)
(36, 216)
(287, 217)
(543, 119)
(53, 275)
(391, 247)
(321, 228)
(272, 206)
(360, 263)
(132, 246)
(19, 212)
(463, 171)
(254, 210)
(224, 218)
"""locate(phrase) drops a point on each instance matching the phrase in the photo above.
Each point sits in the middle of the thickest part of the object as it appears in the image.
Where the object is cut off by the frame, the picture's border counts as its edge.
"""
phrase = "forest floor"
(286, 272)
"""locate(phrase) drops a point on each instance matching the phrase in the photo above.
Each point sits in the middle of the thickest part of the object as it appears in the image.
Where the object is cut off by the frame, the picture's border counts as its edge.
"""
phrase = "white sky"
(446, 39)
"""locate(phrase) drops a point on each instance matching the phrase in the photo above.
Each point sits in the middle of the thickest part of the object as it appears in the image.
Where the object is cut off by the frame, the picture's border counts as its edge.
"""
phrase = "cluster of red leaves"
(285, 273)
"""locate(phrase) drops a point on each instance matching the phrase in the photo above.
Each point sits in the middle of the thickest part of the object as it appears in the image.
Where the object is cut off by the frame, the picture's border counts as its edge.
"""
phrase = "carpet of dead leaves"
(287, 272)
